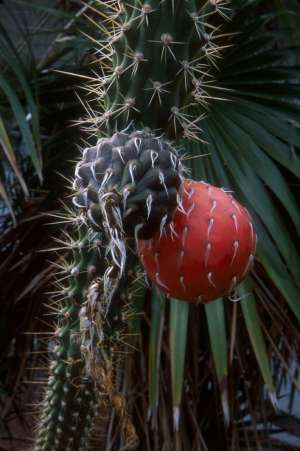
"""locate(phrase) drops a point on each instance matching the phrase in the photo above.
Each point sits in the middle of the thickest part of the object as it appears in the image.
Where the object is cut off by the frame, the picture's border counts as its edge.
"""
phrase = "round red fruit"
(206, 250)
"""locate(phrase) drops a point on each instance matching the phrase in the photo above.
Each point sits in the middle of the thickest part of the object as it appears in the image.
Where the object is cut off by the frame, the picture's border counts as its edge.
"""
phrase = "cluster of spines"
(157, 62)
(70, 402)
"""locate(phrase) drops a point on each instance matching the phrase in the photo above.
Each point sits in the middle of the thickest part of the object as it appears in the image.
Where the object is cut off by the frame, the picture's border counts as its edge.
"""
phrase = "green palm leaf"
(179, 313)
(7, 201)
(248, 305)
(20, 116)
(217, 333)
(155, 343)
(10, 155)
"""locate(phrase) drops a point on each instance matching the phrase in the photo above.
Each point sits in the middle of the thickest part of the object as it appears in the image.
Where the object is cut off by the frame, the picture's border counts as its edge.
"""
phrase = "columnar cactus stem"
(158, 60)
(70, 402)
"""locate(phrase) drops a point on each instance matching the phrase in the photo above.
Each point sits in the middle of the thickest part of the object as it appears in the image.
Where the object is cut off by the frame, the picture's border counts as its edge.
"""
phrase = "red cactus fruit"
(206, 250)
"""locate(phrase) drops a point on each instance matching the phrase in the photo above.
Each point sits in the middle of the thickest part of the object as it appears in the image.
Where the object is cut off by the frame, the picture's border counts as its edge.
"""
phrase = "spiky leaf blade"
(216, 323)
(23, 124)
(248, 306)
(10, 155)
(157, 323)
(178, 326)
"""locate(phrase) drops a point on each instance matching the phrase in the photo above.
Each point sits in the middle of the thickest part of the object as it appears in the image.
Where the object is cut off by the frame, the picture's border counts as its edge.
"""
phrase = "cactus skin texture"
(207, 249)
(127, 186)
(158, 60)
(70, 403)
(136, 173)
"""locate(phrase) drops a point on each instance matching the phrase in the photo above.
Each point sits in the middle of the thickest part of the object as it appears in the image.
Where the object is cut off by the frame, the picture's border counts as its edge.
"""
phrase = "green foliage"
(251, 141)
(30, 91)
(218, 339)
(248, 305)
(155, 342)
(37, 107)
(179, 314)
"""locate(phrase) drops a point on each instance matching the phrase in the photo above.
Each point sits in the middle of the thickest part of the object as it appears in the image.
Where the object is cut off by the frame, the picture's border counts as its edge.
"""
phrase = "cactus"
(86, 351)
(70, 403)
(208, 250)
(127, 186)
(138, 170)
(158, 60)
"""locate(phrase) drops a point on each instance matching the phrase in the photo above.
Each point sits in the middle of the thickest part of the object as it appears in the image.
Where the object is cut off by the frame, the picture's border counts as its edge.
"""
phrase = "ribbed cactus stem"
(158, 60)
(126, 186)
(70, 402)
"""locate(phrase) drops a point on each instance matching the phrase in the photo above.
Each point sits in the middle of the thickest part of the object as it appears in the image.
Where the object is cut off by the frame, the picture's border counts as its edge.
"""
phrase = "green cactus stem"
(70, 403)
(89, 341)
(158, 60)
